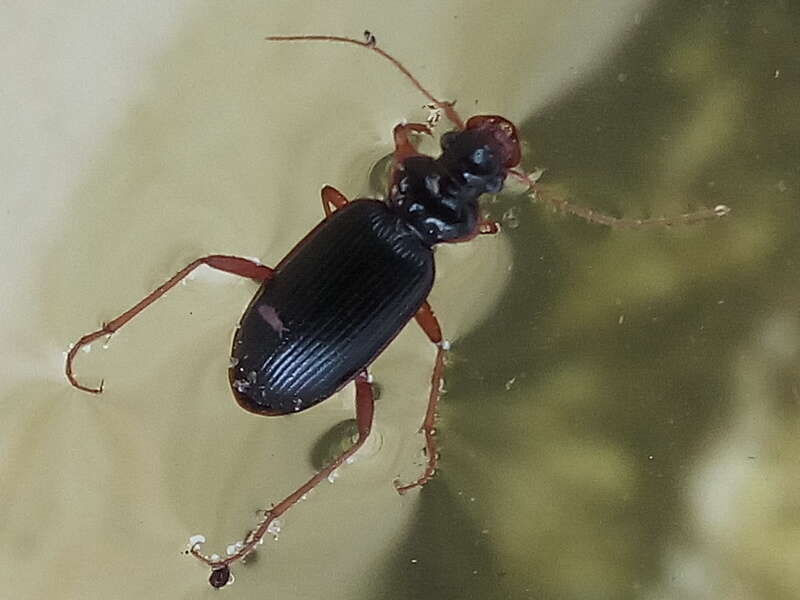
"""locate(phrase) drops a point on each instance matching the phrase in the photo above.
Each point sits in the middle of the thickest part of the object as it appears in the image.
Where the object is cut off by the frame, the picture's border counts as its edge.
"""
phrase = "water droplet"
(510, 218)
(721, 210)
(234, 548)
(274, 528)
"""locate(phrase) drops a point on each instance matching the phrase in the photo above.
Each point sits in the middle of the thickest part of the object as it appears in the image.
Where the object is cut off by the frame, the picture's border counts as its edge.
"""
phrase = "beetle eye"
(478, 156)
(447, 139)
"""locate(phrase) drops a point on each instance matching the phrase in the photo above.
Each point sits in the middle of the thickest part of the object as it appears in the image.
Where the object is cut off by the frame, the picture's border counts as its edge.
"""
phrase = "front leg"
(332, 200)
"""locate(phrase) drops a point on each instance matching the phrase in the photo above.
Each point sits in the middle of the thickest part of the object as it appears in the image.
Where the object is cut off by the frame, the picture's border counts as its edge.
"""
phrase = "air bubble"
(274, 528)
(721, 210)
(510, 218)
(234, 548)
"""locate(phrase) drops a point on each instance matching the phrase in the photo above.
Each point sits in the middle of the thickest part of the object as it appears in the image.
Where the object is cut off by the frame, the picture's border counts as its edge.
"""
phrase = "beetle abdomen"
(334, 303)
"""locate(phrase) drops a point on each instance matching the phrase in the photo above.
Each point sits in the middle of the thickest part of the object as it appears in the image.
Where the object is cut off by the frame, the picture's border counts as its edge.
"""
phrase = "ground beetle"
(346, 290)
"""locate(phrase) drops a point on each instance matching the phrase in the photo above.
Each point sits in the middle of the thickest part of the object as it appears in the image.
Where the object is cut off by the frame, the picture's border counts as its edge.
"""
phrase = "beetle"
(342, 294)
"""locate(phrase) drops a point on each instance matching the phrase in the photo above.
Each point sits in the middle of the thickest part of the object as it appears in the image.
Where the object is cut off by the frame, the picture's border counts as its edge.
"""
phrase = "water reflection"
(634, 438)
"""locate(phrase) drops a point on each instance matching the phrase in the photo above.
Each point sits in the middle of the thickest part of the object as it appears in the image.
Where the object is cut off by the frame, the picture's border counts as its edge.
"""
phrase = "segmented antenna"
(370, 43)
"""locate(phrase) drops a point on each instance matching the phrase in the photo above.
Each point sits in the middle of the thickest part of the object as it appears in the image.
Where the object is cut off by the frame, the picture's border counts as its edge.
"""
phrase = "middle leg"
(430, 325)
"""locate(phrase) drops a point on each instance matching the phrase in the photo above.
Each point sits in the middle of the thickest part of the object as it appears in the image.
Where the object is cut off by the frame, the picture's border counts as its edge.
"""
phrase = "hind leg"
(220, 568)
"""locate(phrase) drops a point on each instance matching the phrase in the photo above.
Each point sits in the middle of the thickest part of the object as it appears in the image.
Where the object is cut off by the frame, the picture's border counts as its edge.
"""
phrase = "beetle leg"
(332, 200)
(488, 227)
(235, 265)
(403, 148)
(365, 404)
(430, 325)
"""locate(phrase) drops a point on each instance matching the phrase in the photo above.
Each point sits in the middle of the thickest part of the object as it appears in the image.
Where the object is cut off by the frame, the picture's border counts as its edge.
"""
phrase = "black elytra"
(348, 288)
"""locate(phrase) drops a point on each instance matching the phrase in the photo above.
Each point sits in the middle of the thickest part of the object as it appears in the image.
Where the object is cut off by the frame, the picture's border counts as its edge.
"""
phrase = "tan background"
(622, 409)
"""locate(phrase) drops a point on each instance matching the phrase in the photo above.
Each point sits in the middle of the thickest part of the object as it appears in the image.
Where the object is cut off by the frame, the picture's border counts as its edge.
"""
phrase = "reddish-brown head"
(504, 135)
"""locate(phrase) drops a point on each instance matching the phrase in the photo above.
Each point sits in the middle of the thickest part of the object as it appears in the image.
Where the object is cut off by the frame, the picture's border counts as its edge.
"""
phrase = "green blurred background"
(626, 423)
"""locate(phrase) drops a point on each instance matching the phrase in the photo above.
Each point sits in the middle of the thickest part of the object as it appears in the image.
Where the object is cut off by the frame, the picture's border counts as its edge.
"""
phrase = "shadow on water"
(577, 413)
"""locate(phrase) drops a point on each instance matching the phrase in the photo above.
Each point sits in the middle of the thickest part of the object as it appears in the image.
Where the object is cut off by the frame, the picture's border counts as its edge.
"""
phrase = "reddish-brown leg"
(403, 148)
(364, 412)
(332, 200)
(488, 227)
(230, 264)
(430, 325)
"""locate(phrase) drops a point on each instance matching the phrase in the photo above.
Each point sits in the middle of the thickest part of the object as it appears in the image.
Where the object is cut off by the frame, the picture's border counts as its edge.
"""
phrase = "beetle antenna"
(592, 216)
(562, 205)
(370, 43)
